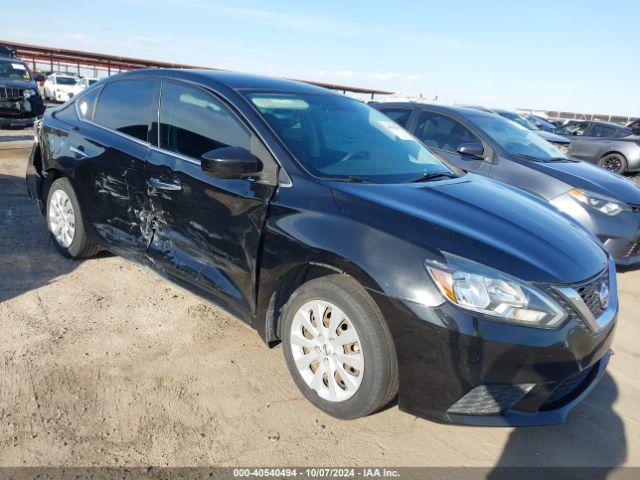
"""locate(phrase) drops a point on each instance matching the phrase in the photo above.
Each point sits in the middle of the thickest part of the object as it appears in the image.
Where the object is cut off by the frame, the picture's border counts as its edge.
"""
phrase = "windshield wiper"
(561, 159)
(351, 179)
(527, 157)
(428, 176)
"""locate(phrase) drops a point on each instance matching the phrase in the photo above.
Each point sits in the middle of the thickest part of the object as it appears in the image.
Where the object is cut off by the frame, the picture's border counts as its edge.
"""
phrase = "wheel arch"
(269, 317)
(612, 152)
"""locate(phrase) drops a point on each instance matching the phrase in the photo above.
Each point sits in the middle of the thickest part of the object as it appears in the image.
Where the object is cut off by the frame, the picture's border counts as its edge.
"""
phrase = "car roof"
(460, 110)
(233, 80)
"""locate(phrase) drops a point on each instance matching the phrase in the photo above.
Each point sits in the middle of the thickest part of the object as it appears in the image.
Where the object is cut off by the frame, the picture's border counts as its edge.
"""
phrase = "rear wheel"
(614, 162)
(64, 219)
(338, 348)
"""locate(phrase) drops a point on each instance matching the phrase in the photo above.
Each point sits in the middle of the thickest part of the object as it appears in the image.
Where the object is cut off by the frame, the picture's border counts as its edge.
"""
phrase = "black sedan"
(330, 229)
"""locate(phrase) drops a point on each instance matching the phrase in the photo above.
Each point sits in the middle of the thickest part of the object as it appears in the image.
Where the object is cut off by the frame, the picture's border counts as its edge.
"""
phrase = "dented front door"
(206, 230)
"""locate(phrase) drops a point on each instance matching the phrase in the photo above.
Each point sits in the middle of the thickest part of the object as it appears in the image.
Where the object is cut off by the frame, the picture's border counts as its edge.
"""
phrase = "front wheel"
(64, 219)
(338, 347)
(614, 162)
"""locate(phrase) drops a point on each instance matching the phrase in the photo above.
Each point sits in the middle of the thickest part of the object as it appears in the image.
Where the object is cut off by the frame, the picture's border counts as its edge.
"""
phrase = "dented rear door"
(111, 148)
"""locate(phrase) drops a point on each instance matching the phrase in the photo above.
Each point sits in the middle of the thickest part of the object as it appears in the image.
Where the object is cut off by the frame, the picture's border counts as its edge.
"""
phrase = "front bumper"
(456, 367)
(22, 113)
(19, 122)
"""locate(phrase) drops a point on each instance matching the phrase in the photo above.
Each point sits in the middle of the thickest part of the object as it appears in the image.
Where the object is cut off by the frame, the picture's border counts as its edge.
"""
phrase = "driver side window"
(194, 122)
(442, 132)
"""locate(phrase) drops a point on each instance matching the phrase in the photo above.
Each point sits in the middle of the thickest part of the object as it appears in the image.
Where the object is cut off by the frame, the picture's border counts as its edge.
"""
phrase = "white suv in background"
(61, 87)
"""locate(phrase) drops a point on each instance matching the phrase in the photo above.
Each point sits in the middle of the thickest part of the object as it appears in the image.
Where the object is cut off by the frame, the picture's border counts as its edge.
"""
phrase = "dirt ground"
(103, 363)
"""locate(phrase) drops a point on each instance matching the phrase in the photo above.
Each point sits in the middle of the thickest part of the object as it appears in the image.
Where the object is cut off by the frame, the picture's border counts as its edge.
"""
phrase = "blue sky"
(573, 55)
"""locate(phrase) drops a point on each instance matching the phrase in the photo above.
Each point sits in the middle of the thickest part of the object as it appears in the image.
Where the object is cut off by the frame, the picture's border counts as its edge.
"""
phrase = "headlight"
(477, 288)
(29, 92)
(601, 203)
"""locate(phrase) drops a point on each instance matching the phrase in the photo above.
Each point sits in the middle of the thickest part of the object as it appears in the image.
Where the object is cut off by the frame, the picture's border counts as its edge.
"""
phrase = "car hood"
(592, 178)
(481, 220)
(552, 137)
(5, 82)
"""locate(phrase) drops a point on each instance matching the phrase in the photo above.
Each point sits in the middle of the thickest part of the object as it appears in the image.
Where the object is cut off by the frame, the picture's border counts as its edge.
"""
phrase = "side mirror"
(471, 149)
(230, 162)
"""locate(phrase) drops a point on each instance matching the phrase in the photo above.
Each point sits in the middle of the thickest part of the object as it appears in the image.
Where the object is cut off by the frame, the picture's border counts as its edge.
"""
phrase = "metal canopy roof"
(37, 53)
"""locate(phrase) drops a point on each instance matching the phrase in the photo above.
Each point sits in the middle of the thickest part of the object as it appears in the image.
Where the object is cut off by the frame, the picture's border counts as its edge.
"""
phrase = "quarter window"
(400, 115)
(87, 103)
(194, 122)
(442, 132)
(125, 106)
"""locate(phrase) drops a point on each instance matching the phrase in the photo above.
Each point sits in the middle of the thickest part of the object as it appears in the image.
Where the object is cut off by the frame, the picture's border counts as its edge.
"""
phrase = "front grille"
(11, 94)
(631, 250)
(570, 388)
(590, 294)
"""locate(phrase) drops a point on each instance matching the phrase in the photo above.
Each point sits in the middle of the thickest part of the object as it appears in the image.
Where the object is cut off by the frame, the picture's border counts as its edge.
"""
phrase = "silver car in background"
(609, 145)
(605, 203)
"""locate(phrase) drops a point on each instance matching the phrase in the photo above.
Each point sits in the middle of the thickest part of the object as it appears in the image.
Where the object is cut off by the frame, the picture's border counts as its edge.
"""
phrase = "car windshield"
(66, 81)
(517, 140)
(14, 70)
(334, 136)
(514, 117)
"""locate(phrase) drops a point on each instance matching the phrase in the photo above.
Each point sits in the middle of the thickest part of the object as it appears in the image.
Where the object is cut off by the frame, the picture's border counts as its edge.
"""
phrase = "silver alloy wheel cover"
(62, 218)
(329, 358)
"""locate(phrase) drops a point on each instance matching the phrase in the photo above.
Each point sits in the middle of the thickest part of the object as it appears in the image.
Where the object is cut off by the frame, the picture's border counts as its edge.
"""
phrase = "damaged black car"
(20, 100)
(382, 270)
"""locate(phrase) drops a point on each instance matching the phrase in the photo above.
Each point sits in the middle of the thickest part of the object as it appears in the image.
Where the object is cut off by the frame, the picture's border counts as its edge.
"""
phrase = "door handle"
(79, 153)
(172, 186)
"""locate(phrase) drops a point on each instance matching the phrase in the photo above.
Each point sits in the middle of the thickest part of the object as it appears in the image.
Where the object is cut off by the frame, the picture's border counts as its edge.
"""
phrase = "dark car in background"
(541, 123)
(20, 100)
(327, 227)
(605, 203)
(606, 144)
(634, 126)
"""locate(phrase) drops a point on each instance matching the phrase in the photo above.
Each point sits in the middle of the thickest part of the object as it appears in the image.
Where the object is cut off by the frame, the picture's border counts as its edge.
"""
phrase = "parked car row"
(611, 146)
(486, 144)
(60, 87)
(452, 272)
(21, 102)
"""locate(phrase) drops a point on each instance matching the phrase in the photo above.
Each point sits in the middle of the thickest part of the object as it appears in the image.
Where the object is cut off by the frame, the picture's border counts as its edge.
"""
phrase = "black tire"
(380, 378)
(614, 162)
(81, 246)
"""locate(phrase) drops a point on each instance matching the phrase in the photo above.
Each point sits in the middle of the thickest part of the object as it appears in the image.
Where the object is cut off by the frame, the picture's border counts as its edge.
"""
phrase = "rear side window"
(399, 115)
(194, 122)
(605, 131)
(125, 106)
(442, 132)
